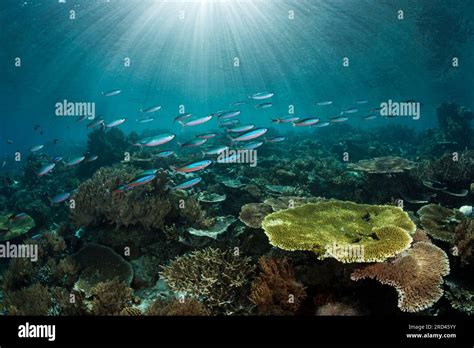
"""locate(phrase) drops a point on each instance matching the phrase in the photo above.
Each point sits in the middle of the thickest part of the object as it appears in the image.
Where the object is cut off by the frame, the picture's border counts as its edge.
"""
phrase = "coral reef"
(417, 275)
(275, 291)
(110, 297)
(220, 227)
(32, 300)
(218, 277)
(440, 222)
(460, 298)
(464, 242)
(347, 231)
(174, 307)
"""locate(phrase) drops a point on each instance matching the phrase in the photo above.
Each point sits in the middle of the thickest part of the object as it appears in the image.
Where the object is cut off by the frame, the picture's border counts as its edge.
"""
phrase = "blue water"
(190, 61)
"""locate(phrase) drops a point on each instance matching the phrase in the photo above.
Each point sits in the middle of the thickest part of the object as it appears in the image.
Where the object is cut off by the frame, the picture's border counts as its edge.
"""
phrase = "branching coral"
(110, 297)
(33, 300)
(185, 307)
(218, 277)
(347, 231)
(275, 291)
(464, 242)
(417, 275)
(98, 203)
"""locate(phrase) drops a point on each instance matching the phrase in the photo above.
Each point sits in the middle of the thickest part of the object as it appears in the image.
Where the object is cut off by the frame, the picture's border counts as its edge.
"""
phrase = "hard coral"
(440, 222)
(382, 165)
(275, 291)
(174, 307)
(217, 277)
(252, 214)
(417, 275)
(347, 231)
(110, 297)
(33, 300)
(464, 242)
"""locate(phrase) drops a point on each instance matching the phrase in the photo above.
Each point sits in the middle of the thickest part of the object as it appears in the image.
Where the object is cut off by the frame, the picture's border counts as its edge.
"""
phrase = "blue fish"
(187, 184)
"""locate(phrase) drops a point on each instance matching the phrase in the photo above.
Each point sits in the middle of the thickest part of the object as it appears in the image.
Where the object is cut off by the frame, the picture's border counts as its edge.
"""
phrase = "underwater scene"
(236, 158)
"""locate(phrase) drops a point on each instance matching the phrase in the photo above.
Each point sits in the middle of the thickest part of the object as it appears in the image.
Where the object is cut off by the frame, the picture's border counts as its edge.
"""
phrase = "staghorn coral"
(33, 300)
(417, 275)
(97, 203)
(110, 297)
(217, 277)
(174, 307)
(464, 242)
(383, 165)
(252, 214)
(439, 222)
(275, 291)
(347, 231)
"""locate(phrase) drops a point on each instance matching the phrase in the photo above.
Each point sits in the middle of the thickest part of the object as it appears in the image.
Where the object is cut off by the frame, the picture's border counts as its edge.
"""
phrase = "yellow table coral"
(347, 231)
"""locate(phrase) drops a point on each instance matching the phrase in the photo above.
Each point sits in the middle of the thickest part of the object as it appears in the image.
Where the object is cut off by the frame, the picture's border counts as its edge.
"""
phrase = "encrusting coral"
(275, 291)
(220, 278)
(417, 275)
(440, 222)
(347, 231)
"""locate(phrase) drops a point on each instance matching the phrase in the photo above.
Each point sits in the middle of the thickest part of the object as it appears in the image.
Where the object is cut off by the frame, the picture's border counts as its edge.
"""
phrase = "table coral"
(347, 231)
(417, 275)
(10, 229)
(440, 222)
(383, 165)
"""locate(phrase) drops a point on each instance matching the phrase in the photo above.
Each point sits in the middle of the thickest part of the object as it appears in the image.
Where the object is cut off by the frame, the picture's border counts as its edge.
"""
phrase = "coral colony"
(135, 205)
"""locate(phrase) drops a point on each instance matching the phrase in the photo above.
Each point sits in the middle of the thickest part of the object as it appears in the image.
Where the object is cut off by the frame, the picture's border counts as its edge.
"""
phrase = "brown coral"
(33, 300)
(98, 203)
(252, 214)
(110, 297)
(219, 277)
(185, 307)
(417, 275)
(464, 242)
(440, 222)
(275, 291)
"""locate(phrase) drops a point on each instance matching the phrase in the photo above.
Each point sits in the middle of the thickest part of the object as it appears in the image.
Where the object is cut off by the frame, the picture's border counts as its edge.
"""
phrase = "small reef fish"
(156, 140)
(151, 109)
(287, 119)
(240, 129)
(258, 132)
(215, 150)
(59, 198)
(338, 119)
(57, 159)
(350, 111)
(112, 93)
(196, 121)
(306, 122)
(46, 169)
(92, 158)
(81, 118)
(163, 154)
(378, 108)
(322, 124)
(147, 172)
(369, 117)
(193, 143)
(228, 123)
(264, 106)
(187, 184)
(206, 135)
(253, 145)
(95, 123)
(145, 120)
(75, 161)
(140, 181)
(276, 139)
(9, 141)
(261, 96)
(115, 123)
(36, 127)
(17, 217)
(228, 114)
(324, 103)
(361, 101)
(182, 117)
(238, 103)
(36, 148)
(192, 167)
